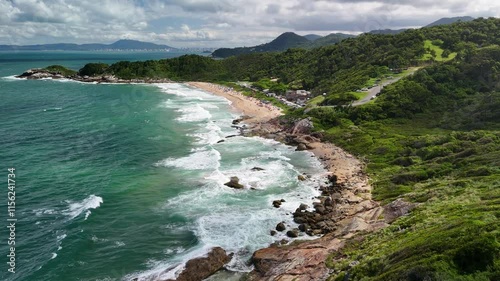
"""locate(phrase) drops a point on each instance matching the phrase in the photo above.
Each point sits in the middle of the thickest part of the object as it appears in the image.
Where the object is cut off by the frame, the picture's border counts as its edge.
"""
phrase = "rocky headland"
(41, 73)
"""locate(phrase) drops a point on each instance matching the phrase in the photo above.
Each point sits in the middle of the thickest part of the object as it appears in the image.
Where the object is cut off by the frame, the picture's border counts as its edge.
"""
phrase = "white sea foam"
(41, 212)
(53, 109)
(13, 78)
(237, 220)
(161, 270)
(193, 113)
(211, 134)
(77, 208)
(200, 160)
(54, 255)
(61, 237)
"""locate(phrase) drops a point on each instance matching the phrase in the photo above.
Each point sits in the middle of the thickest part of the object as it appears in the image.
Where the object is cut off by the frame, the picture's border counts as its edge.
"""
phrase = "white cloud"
(215, 22)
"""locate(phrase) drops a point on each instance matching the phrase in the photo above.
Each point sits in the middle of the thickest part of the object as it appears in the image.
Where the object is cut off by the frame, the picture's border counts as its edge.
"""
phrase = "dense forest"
(336, 69)
(431, 138)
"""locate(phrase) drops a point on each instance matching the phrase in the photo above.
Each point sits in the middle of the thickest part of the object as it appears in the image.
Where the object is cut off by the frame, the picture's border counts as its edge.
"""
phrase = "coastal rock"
(301, 262)
(303, 126)
(221, 141)
(200, 268)
(257, 169)
(273, 232)
(294, 233)
(396, 209)
(301, 147)
(276, 203)
(303, 227)
(301, 178)
(280, 227)
(234, 182)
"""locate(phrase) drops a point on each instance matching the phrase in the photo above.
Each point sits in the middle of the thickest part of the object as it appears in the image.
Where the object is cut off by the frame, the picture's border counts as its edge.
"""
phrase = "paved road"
(373, 92)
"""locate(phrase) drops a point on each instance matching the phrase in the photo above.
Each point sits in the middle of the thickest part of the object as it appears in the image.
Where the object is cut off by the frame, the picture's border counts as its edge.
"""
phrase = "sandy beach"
(254, 108)
(337, 161)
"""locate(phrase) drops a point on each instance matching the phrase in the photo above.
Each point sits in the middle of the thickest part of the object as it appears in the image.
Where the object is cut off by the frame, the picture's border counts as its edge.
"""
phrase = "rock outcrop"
(302, 127)
(38, 73)
(200, 268)
(302, 262)
(234, 182)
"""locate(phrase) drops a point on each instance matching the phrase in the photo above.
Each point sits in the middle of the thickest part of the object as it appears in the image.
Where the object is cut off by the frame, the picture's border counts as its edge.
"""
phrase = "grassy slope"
(428, 45)
(455, 175)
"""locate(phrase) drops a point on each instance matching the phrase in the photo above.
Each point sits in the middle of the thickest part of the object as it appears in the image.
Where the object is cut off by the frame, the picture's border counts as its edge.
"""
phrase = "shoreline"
(344, 208)
(259, 117)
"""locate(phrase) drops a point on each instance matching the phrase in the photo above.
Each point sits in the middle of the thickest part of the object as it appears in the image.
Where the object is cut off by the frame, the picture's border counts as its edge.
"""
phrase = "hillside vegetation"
(431, 138)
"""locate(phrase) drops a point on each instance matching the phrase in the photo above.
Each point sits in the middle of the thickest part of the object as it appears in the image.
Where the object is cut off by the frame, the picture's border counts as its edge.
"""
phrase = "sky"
(216, 23)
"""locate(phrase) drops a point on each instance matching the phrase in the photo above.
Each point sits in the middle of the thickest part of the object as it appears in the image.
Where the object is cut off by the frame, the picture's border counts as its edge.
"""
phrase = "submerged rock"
(200, 268)
(234, 182)
(257, 169)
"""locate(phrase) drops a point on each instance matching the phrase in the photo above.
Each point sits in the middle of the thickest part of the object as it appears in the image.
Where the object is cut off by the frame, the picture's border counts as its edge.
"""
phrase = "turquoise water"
(116, 182)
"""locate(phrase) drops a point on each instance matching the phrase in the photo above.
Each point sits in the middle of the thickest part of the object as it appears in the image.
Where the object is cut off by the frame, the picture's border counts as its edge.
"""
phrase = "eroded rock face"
(303, 262)
(396, 209)
(200, 268)
(303, 126)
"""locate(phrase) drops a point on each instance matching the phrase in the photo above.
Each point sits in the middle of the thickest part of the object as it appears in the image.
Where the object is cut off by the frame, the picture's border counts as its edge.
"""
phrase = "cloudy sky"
(215, 23)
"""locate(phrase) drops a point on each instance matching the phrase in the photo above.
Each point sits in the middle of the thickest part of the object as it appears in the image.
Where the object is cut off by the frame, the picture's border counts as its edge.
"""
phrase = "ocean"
(115, 182)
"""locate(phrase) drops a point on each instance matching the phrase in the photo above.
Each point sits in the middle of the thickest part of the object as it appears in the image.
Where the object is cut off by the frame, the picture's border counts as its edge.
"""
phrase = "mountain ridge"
(123, 44)
(283, 42)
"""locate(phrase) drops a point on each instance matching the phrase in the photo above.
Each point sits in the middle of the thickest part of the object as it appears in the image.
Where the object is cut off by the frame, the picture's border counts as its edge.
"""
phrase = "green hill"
(330, 39)
(284, 42)
(281, 43)
(450, 21)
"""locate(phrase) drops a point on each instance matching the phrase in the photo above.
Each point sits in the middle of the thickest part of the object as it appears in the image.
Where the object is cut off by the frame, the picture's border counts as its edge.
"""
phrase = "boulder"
(294, 233)
(301, 147)
(301, 178)
(200, 268)
(234, 182)
(303, 207)
(303, 227)
(280, 227)
(273, 232)
(276, 203)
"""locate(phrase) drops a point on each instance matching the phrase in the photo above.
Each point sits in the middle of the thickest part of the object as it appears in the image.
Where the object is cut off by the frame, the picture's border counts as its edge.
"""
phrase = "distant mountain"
(450, 20)
(118, 45)
(283, 42)
(312, 37)
(388, 31)
(330, 39)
